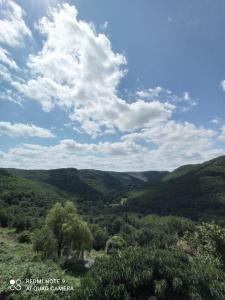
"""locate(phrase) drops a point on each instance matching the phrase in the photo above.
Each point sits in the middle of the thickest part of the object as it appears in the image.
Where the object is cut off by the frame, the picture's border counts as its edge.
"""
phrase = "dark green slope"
(66, 180)
(32, 192)
(25, 199)
(89, 183)
(213, 167)
(194, 191)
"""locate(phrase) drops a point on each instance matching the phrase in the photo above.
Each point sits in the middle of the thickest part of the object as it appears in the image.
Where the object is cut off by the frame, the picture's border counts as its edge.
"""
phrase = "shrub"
(114, 244)
(45, 242)
(24, 237)
(141, 273)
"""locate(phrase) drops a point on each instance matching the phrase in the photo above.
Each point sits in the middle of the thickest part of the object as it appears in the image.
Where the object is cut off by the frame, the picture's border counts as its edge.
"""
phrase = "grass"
(19, 261)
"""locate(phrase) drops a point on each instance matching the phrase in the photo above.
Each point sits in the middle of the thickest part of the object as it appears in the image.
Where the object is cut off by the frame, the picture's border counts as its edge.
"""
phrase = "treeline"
(167, 258)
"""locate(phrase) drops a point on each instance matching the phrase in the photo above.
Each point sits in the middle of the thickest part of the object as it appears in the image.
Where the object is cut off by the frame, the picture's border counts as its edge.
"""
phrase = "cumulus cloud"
(24, 130)
(13, 28)
(78, 71)
(151, 93)
(124, 155)
(163, 94)
(156, 148)
(179, 142)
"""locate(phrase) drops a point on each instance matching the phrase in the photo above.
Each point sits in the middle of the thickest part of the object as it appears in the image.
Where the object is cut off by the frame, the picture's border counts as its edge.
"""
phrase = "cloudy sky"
(112, 85)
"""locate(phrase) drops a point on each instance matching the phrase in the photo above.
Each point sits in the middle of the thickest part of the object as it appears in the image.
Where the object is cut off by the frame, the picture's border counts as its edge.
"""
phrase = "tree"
(45, 242)
(208, 240)
(77, 237)
(100, 237)
(56, 218)
(114, 244)
(3, 217)
(66, 231)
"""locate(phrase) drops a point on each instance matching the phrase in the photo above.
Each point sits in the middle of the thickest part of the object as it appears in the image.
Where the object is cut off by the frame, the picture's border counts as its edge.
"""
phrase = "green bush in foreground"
(139, 273)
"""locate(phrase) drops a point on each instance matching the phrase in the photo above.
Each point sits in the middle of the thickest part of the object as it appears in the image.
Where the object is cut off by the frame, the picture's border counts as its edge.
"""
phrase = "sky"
(111, 85)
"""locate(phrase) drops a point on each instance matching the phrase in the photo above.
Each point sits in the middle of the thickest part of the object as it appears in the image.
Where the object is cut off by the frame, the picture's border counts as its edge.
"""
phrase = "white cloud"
(69, 153)
(223, 85)
(151, 93)
(9, 95)
(164, 148)
(178, 143)
(104, 26)
(216, 121)
(162, 94)
(78, 71)
(222, 134)
(24, 130)
(6, 59)
(120, 156)
(5, 75)
(13, 28)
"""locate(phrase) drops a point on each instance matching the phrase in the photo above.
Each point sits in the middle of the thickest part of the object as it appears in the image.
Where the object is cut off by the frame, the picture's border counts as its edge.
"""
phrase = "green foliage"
(77, 237)
(196, 192)
(64, 233)
(45, 242)
(24, 202)
(171, 257)
(139, 273)
(100, 236)
(208, 240)
(94, 191)
(20, 262)
(56, 219)
(115, 244)
(3, 217)
(24, 237)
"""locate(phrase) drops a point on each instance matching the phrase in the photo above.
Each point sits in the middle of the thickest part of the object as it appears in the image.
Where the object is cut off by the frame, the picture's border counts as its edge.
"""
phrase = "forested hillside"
(194, 191)
(115, 236)
(90, 182)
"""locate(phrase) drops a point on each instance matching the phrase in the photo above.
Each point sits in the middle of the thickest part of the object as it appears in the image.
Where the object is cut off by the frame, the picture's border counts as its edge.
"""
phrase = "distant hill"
(33, 192)
(89, 183)
(25, 199)
(194, 191)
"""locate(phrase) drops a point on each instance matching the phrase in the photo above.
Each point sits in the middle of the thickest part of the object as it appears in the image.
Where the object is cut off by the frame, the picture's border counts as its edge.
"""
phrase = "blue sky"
(113, 85)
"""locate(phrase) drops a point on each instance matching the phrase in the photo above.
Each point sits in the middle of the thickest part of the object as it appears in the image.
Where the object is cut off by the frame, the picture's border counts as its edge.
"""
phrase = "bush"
(45, 242)
(24, 237)
(114, 244)
(141, 273)
(100, 237)
(3, 217)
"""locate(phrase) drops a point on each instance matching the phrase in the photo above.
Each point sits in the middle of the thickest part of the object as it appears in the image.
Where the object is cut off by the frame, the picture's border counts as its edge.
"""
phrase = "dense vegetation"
(194, 191)
(115, 235)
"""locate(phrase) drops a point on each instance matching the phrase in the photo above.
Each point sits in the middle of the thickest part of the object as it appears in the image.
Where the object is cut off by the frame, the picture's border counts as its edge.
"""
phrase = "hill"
(89, 183)
(194, 191)
(28, 194)
(23, 201)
